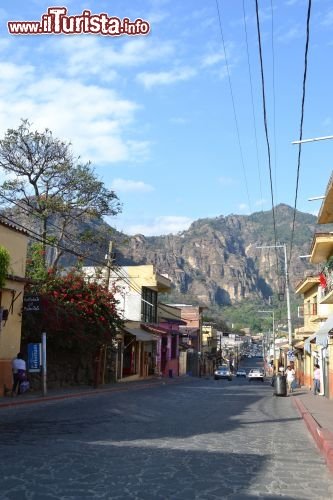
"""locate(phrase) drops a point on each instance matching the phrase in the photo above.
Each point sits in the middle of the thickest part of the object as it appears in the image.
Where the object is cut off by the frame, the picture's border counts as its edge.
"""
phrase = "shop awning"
(141, 334)
(299, 344)
(324, 330)
(307, 342)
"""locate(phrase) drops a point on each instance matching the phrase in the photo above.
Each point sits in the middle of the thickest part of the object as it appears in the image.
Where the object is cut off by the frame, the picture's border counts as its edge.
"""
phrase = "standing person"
(19, 368)
(316, 380)
(291, 375)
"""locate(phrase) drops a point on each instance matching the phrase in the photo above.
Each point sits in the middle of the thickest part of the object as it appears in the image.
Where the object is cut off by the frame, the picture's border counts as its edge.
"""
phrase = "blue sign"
(34, 357)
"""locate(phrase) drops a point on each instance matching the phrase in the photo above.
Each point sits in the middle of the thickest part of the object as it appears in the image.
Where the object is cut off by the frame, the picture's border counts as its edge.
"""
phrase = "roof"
(321, 247)
(13, 227)
(307, 283)
(326, 210)
(141, 335)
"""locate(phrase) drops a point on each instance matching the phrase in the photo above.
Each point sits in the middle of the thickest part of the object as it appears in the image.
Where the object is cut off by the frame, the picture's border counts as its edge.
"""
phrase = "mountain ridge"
(217, 260)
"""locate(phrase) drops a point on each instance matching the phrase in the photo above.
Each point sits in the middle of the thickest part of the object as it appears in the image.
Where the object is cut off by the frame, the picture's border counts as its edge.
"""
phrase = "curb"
(93, 392)
(322, 437)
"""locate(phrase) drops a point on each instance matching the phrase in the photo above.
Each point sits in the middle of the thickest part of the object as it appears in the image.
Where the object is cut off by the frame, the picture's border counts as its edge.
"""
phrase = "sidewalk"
(317, 413)
(85, 390)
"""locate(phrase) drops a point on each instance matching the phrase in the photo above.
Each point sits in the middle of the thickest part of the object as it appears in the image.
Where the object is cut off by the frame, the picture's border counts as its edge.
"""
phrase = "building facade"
(15, 241)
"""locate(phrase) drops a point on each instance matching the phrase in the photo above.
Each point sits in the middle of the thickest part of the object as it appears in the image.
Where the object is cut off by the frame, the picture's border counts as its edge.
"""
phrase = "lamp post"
(287, 289)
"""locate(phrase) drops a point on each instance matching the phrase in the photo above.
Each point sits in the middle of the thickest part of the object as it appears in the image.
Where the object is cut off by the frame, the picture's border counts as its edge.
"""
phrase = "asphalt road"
(194, 439)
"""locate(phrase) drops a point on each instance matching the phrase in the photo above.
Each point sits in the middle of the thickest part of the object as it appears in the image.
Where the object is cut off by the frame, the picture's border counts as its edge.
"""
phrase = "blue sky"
(154, 113)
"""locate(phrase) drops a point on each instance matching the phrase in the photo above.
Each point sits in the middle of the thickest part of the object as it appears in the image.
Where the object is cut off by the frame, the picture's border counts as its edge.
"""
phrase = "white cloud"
(157, 17)
(88, 55)
(328, 19)
(169, 224)
(211, 59)
(149, 80)
(327, 122)
(260, 203)
(226, 181)
(242, 207)
(127, 186)
(179, 120)
(291, 34)
(94, 118)
(291, 3)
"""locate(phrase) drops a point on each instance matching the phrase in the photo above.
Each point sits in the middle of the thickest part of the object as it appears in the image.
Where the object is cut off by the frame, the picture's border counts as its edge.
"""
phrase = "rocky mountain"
(217, 260)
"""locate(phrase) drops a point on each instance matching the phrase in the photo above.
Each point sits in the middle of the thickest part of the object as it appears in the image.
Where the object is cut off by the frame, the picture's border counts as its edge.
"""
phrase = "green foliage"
(76, 313)
(50, 185)
(36, 267)
(4, 265)
(246, 315)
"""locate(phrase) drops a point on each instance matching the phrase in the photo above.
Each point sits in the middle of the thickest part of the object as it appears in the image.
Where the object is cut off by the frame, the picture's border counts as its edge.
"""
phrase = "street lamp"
(284, 246)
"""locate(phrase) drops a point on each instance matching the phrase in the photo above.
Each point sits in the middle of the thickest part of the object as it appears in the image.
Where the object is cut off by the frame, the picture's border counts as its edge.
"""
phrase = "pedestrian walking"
(19, 368)
(291, 375)
(316, 380)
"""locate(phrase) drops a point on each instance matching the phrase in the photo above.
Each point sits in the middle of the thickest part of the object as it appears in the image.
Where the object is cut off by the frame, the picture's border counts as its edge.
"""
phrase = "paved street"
(194, 439)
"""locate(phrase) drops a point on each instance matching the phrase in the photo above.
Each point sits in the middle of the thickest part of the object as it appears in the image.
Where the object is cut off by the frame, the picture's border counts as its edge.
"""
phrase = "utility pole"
(273, 328)
(44, 367)
(284, 246)
(288, 297)
(108, 259)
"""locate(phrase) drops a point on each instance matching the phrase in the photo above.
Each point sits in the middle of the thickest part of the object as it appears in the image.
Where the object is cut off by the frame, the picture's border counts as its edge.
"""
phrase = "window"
(149, 305)
(314, 306)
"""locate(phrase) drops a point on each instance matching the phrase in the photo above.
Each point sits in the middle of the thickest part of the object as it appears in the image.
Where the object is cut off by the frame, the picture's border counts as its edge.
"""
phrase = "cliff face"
(217, 261)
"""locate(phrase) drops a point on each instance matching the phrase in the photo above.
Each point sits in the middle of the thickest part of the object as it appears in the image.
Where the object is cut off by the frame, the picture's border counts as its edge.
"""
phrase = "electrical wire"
(252, 102)
(115, 269)
(301, 123)
(273, 88)
(266, 134)
(233, 105)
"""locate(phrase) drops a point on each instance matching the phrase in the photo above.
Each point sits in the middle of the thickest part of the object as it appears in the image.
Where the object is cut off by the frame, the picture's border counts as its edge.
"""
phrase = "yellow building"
(322, 340)
(314, 314)
(136, 289)
(15, 241)
(317, 332)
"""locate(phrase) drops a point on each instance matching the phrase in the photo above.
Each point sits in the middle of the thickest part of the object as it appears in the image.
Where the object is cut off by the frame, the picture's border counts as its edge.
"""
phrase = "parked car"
(256, 374)
(241, 373)
(222, 372)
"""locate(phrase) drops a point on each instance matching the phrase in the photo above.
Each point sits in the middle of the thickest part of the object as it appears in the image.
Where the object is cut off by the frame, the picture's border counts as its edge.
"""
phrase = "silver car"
(223, 372)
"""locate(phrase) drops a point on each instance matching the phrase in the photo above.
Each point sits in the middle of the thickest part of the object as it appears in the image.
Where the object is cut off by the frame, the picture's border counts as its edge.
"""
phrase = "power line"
(252, 101)
(301, 123)
(116, 270)
(34, 213)
(233, 105)
(266, 134)
(273, 84)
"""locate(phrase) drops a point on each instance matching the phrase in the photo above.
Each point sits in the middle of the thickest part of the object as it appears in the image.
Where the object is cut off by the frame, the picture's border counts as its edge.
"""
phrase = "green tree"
(52, 190)
(4, 265)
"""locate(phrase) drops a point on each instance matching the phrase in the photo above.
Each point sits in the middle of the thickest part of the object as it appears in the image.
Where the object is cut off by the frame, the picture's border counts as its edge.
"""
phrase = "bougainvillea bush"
(79, 316)
(73, 309)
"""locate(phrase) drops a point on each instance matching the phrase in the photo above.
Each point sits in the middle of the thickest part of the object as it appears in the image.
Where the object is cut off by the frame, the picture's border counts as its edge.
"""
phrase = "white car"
(241, 372)
(255, 374)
